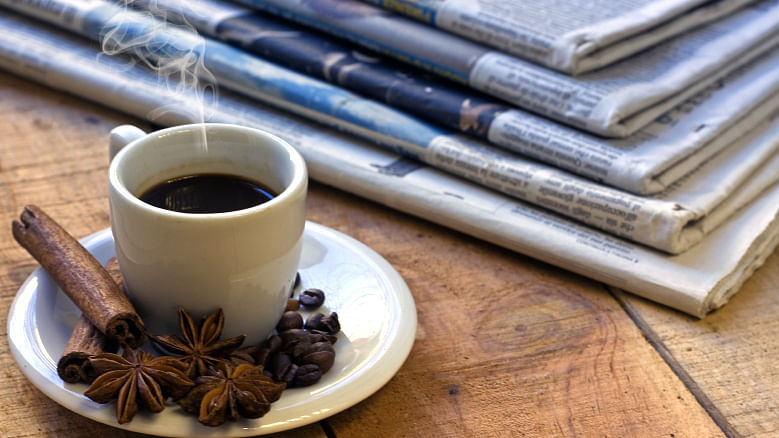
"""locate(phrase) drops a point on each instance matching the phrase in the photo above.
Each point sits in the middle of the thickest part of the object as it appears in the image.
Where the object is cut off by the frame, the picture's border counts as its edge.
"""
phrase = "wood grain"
(730, 357)
(506, 346)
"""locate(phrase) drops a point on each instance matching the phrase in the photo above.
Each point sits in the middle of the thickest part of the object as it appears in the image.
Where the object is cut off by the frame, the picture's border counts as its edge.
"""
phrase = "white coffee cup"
(242, 261)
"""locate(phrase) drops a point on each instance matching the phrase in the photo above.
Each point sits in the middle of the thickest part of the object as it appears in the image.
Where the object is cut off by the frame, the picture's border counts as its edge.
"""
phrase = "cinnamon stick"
(80, 276)
(85, 341)
(112, 267)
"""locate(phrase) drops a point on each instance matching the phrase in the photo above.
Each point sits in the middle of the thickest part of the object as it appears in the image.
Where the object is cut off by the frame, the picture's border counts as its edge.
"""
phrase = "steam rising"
(173, 49)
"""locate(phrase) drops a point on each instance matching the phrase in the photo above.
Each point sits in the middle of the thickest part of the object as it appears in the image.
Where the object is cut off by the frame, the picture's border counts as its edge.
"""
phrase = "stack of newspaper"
(679, 204)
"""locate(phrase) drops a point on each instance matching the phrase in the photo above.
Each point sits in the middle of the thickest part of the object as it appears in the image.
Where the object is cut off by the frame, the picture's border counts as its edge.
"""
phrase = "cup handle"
(120, 137)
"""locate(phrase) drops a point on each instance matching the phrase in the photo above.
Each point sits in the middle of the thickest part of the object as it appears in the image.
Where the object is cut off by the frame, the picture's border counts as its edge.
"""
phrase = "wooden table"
(506, 345)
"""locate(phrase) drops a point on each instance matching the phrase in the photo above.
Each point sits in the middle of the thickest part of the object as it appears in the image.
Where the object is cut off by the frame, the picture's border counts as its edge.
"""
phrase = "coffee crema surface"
(207, 193)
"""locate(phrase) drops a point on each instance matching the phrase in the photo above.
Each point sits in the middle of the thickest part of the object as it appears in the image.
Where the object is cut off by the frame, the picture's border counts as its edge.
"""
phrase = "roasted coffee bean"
(290, 320)
(300, 352)
(321, 354)
(290, 338)
(319, 336)
(303, 347)
(282, 367)
(307, 374)
(324, 323)
(273, 343)
(270, 347)
(314, 322)
(262, 356)
(311, 298)
(289, 376)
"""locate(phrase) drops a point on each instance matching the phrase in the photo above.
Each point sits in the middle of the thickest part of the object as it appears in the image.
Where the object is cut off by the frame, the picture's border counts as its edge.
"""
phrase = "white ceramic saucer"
(374, 305)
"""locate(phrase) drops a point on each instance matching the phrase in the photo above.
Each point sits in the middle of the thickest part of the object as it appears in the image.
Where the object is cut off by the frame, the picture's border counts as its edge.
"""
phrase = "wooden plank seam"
(677, 368)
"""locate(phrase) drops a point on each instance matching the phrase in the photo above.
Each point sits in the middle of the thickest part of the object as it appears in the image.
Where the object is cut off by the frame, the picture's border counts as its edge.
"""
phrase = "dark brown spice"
(228, 382)
(295, 356)
(268, 349)
(290, 320)
(199, 347)
(324, 323)
(136, 379)
(290, 338)
(85, 341)
(228, 393)
(80, 276)
(311, 298)
(282, 367)
(306, 375)
(214, 378)
(320, 354)
(244, 355)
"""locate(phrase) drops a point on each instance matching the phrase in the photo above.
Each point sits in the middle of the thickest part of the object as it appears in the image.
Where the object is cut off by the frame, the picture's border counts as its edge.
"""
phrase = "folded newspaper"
(614, 101)
(661, 223)
(695, 282)
(570, 36)
(645, 163)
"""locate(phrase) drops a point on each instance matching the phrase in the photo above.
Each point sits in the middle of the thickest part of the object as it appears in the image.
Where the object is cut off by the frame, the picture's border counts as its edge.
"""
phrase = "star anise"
(136, 378)
(199, 348)
(229, 392)
(244, 355)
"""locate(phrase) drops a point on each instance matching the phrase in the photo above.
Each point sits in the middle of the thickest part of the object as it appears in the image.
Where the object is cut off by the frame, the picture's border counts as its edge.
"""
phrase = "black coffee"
(207, 193)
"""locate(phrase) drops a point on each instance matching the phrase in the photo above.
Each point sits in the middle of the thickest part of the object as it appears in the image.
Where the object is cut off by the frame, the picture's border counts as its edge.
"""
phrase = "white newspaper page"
(672, 145)
(665, 224)
(570, 36)
(695, 282)
(613, 101)
(645, 163)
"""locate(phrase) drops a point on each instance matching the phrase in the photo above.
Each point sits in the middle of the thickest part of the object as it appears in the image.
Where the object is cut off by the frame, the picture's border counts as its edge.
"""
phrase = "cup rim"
(298, 183)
